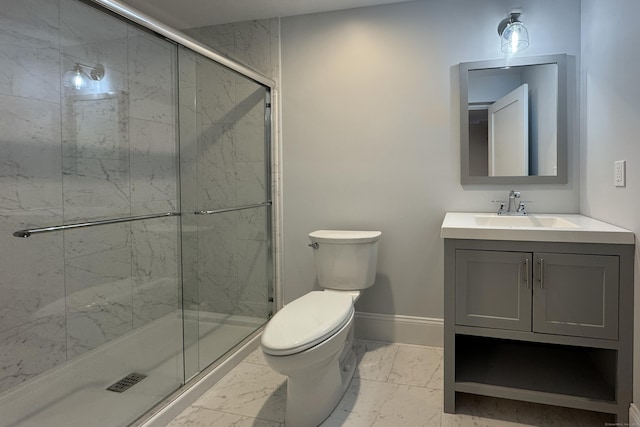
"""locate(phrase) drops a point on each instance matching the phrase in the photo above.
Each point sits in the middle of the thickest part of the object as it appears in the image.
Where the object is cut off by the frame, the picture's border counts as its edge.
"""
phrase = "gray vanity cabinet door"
(576, 295)
(493, 289)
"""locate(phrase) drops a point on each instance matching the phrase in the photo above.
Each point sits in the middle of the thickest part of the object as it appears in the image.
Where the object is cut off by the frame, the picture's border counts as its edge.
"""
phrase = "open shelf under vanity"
(579, 377)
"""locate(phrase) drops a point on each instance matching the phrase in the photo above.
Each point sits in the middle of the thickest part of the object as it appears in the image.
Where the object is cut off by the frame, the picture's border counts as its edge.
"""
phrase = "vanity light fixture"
(77, 78)
(514, 36)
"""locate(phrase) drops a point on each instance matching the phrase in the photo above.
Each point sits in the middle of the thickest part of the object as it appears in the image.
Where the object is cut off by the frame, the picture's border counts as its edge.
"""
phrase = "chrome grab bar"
(239, 208)
(29, 232)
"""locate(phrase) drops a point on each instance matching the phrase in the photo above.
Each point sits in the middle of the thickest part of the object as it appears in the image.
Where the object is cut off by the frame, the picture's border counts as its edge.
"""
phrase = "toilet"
(310, 340)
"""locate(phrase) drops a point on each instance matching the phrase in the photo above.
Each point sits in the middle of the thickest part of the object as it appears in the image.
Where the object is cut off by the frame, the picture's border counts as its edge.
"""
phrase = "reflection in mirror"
(513, 120)
(507, 108)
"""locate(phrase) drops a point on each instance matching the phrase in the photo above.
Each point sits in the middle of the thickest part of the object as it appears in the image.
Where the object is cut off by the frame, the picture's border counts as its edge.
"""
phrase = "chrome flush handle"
(314, 245)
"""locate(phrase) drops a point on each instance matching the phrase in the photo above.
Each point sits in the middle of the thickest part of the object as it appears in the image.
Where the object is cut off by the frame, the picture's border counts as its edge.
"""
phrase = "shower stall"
(135, 212)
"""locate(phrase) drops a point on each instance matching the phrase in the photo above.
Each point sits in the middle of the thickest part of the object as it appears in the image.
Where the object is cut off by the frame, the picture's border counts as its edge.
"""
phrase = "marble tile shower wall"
(227, 165)
(223, 167)
(65, 156)
(253, 43)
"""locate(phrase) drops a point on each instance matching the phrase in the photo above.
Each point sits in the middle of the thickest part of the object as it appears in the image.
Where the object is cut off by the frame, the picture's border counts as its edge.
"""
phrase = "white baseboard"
(634, 416)
(400, 329)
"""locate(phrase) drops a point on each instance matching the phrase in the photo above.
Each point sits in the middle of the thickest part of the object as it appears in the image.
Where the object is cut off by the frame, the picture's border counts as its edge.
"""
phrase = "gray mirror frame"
(563, 124)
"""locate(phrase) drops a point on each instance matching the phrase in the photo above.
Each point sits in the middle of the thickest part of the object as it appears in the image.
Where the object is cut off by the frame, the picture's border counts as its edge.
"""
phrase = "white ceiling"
(182, 14)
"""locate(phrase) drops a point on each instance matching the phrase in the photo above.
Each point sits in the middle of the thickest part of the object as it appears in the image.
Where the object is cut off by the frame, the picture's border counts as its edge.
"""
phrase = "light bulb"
(514, 41)
(77, 81)
(76, 78)
(515, 38)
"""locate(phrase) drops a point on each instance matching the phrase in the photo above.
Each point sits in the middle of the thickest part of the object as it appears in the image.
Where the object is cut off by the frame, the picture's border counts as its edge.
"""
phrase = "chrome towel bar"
(30, 231)
(239, 208)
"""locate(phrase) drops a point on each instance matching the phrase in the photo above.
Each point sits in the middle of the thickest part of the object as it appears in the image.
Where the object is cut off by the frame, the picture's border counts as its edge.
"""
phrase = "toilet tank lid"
(344, 236)
(306, 321)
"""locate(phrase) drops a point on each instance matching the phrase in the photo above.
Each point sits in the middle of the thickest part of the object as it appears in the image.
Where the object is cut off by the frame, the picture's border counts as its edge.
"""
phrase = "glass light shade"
(515, 38)
(76, 78)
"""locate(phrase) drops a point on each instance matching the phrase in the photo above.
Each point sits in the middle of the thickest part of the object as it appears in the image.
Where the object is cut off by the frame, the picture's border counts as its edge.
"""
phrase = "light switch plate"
(619, 173)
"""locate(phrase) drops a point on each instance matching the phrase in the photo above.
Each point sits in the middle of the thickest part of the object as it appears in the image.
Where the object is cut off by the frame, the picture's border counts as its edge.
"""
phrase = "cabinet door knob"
(526, 273)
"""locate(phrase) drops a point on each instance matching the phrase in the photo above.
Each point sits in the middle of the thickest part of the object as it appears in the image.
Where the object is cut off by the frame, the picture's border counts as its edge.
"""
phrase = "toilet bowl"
(320, 365)
(310, 340)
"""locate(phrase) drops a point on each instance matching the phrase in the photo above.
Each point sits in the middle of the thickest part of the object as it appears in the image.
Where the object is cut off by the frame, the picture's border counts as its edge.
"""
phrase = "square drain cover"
(126, 383)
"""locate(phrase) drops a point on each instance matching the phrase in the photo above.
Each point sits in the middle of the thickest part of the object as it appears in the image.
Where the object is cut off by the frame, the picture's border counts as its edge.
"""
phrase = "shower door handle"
(237, 208)
(31, 231)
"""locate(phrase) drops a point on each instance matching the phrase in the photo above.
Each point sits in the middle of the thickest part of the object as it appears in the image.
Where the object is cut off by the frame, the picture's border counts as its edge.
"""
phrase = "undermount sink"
(524, 221)
(538, 228)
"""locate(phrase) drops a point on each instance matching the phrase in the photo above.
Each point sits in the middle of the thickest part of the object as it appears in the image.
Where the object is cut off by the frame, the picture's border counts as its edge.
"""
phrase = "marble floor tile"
(203, 417)
(250, 390)
(360, 403)
(482, 411)
(411, 406)
(375, 359)
(256, 357)
(395, 385)
(418, 366)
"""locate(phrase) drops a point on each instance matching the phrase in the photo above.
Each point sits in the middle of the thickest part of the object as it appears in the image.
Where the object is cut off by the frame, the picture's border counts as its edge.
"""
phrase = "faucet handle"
(521, 209)
(501, 208)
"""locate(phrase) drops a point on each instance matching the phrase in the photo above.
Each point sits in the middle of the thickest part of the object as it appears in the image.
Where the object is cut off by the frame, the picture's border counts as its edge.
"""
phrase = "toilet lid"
(344, 236)
(305, 322)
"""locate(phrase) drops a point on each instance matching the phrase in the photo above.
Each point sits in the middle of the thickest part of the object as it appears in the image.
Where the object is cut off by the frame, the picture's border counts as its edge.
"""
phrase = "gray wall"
(610, 125)
(371, 141)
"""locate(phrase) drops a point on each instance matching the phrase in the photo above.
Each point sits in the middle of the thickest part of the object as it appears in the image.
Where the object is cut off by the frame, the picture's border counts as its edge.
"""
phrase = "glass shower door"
(225, 189)
(94, 312)
(87, 134)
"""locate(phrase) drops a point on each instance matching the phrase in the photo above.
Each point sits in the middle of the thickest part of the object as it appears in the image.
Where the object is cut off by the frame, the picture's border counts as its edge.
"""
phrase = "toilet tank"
(345, 260)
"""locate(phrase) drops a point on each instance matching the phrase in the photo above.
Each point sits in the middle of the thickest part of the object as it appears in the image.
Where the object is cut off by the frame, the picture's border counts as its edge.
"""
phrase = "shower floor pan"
(76, 393)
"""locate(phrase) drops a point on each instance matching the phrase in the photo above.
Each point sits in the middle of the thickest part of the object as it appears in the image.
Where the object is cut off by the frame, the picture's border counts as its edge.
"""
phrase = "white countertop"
(571, 228)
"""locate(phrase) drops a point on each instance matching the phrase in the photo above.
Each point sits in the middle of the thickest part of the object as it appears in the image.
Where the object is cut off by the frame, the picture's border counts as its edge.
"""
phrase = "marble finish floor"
(394, 385)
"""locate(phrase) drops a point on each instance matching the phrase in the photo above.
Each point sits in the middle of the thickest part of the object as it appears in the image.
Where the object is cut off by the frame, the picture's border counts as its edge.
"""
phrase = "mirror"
(513, 120)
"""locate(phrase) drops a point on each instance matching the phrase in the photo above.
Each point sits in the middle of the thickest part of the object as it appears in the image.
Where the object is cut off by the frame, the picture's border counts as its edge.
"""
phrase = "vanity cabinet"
(555, 293)
(545, 322)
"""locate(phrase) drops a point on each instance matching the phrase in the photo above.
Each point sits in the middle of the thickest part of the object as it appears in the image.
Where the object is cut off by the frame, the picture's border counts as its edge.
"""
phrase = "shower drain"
(126, 383)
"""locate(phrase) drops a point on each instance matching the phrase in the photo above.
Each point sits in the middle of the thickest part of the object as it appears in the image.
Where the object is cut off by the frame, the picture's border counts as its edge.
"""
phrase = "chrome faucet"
(513, 207)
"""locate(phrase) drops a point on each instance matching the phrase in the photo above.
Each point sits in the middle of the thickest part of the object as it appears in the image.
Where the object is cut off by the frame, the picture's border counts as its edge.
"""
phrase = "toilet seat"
(306, 321)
